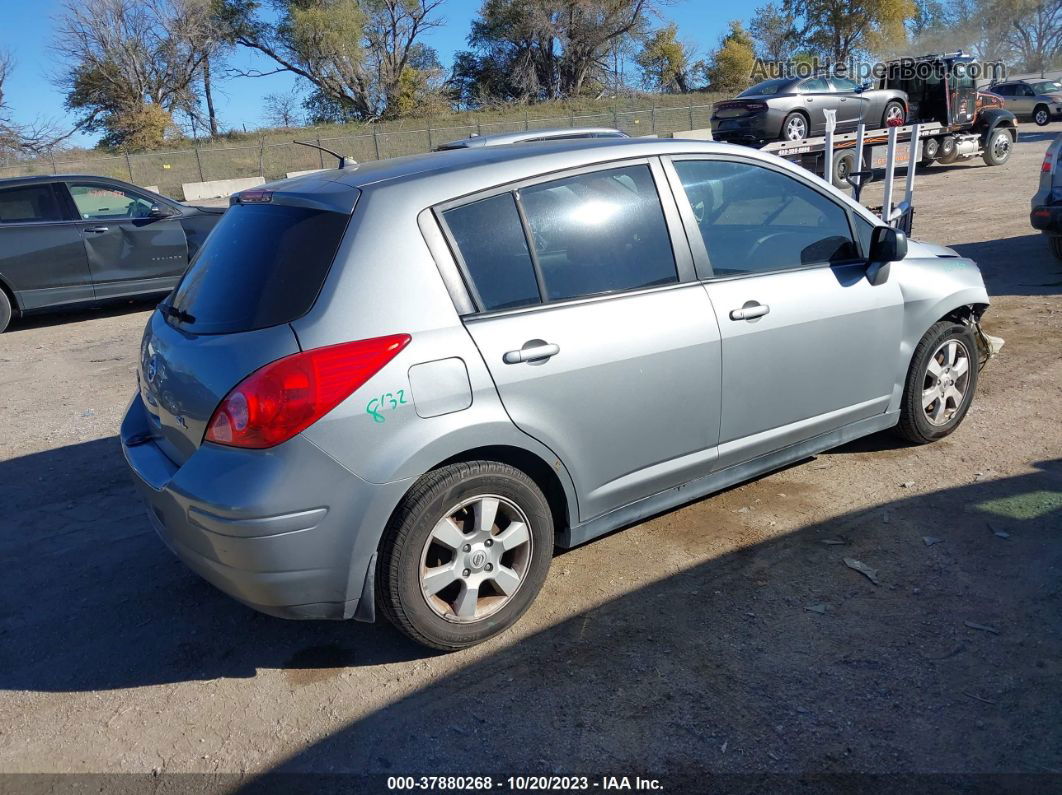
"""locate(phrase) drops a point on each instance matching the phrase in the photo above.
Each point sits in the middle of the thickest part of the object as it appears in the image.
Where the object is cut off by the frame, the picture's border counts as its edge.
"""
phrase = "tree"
(282, 110)
(1034, 32)
(839, 29)
(774, 32)
(123, 56)
(357, 53)
(665, 61)
(35, 137)
(730, 67)
(533, 50)
(9, 139)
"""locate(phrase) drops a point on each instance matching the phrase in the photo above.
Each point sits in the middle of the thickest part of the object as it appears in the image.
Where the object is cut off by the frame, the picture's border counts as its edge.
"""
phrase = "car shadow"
(91, 599)
(777, 656)
(62, 315)
(1019, 265)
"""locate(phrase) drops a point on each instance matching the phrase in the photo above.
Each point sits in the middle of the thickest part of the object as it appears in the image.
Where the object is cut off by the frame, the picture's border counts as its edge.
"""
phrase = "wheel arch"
(964, 313)
(535, 467)
(991, 119)
(5, 288)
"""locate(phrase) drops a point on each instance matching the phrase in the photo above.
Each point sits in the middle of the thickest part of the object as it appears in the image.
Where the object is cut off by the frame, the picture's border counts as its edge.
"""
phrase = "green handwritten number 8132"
(388, 401)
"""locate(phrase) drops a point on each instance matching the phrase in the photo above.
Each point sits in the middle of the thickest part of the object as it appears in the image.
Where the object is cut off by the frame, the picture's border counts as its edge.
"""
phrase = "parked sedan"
(790, 109)
(442, 368)
(1039, 100)
(70, 240)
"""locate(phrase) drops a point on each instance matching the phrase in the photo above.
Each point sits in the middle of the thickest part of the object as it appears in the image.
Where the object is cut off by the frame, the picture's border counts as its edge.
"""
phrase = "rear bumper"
(753, 130)
(1047, 219)
(286, 531)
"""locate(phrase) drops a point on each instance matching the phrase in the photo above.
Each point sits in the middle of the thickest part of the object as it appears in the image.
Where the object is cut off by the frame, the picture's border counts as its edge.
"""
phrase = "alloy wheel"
(1001, 145)
(894, 112)
(1041, 117)
(475, 559)
(946, 381)
(796, 129)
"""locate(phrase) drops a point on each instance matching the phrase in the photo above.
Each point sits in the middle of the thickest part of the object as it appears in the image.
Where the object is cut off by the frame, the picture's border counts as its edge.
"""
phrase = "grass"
(271, 154)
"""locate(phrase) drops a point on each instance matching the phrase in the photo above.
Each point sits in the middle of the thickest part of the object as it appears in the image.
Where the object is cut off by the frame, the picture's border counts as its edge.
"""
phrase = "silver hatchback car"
(401, 385)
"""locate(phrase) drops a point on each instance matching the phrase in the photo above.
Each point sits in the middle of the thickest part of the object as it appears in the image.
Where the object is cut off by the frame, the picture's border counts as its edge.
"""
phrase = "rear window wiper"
(177, 314)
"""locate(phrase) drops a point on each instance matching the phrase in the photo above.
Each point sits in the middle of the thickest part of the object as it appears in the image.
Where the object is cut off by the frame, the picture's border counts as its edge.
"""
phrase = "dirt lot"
(726, 637)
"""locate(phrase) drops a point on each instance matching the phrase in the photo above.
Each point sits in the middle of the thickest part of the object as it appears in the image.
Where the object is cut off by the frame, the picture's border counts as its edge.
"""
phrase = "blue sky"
(27, 32)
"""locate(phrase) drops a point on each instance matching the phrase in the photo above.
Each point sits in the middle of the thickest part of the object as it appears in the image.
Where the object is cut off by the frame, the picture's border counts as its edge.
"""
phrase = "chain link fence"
(168, 171)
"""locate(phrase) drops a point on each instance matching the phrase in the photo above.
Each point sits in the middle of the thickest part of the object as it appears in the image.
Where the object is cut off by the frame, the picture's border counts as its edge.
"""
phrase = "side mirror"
(158, 211)
(887, 245)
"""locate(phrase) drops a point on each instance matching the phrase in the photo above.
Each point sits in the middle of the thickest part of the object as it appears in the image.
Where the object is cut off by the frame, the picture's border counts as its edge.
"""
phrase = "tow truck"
(950, 119)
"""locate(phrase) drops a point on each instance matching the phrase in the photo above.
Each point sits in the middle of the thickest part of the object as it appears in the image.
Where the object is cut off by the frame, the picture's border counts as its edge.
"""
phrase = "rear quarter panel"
(385, 281)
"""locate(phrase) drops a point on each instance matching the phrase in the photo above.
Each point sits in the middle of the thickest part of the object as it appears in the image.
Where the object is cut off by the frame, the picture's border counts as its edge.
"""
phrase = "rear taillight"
(1048, 163)
(279, 400)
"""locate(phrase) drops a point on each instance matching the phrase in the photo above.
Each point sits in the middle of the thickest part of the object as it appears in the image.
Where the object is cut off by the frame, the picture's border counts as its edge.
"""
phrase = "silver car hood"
(921, 249)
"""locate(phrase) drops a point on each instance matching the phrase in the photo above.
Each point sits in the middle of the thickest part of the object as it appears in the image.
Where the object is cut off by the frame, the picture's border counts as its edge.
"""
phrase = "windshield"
(262, 265)
(1047, 87)
(768, 88)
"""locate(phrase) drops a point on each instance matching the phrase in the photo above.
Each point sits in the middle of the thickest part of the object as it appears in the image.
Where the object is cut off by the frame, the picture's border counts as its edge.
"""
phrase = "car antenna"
(344, 161)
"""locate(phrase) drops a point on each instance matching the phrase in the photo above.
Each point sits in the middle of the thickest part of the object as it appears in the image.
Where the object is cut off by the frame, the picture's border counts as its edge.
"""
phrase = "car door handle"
(96, 230)
(749, 312)
(532, 351)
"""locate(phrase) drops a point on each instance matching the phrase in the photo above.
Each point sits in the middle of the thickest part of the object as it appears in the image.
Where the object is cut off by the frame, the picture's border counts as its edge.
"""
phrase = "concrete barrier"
(216, 189)
(703, 134)
(292, 174)
(152, 188)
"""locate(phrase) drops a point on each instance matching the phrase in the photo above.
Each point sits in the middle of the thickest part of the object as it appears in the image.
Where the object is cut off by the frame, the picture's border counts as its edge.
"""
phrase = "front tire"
(999, 147)
(893, 110)
(843, 165)
(465, 554)
(941, 383)
(1042, 116)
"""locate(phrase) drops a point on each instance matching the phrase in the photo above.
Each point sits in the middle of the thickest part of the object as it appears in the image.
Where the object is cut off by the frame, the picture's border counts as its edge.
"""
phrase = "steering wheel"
(759, 244)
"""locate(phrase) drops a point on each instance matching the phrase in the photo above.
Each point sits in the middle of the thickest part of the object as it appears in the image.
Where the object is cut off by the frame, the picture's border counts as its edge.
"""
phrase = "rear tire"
(1055, 242)
(1042, 115)
(454, 566)
(6, 311)
(941, 383)
(795, 127)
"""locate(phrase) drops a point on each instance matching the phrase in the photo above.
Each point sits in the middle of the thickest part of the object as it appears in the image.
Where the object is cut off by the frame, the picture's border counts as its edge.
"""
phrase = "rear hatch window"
(262, 265)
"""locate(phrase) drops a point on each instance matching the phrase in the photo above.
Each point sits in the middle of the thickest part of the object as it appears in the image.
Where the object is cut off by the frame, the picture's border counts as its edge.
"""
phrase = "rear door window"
(262, 265)
(29, 204)
(492, 245)
(816, 85)
(601, 232)
(843, 85)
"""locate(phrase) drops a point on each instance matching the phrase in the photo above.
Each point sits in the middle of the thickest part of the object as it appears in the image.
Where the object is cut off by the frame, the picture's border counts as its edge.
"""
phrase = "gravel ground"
(725, 637)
